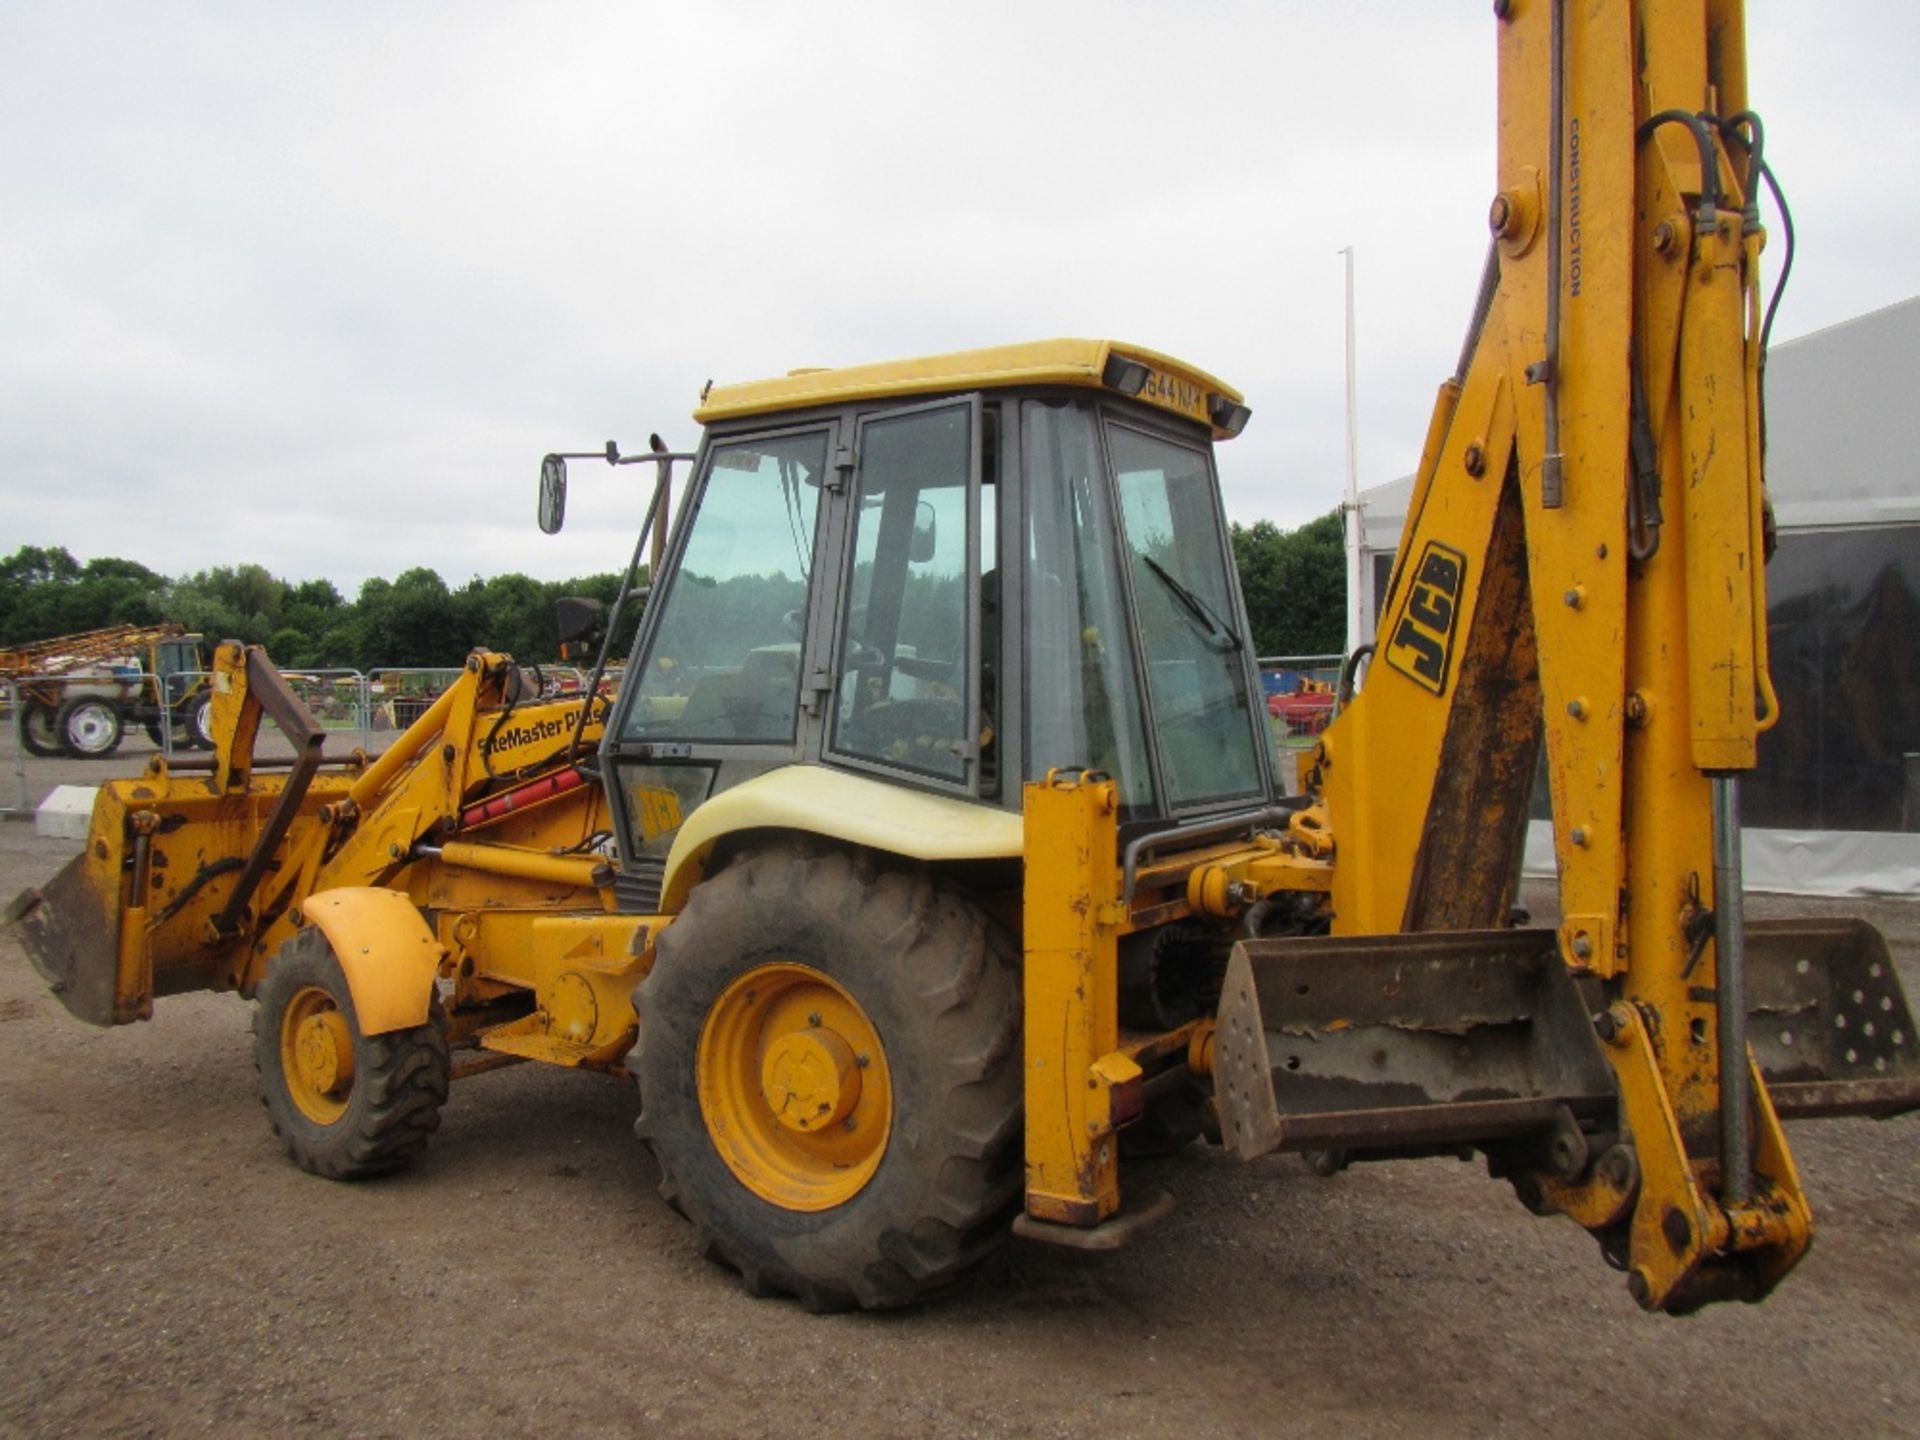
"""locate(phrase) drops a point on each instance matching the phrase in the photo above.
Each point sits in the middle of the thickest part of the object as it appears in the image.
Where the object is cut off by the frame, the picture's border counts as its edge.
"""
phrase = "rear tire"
(156, 727)
(40, 728)
(346, 1105)
(89, 727)
(909, 970)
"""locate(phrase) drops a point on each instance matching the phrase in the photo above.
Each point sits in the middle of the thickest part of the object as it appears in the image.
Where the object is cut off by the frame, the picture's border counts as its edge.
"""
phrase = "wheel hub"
(794, 1087)
(324, 1049)
(89, 727)
(810, 1079)
(316, 1055)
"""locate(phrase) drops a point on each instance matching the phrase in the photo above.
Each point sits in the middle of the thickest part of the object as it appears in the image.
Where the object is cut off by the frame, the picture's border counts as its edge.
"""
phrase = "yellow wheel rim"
(794, 1087)
(316, 1055)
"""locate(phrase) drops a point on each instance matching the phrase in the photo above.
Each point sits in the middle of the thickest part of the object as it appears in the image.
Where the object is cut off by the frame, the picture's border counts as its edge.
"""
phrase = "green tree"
(511, 613)
(1295, 584)
(315, 627)
(410, 622)
(45, 592)
(228, 603)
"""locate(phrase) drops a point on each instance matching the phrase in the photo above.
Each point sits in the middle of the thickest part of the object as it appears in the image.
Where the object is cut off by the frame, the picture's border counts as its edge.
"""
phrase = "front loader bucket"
(1828, 1021)
(1404, 1042)
(184, 863)
(70, 928)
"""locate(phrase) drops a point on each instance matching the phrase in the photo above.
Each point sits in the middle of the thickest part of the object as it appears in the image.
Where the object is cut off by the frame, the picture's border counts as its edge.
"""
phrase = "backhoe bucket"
(71, 931)
(1404, 1043)
(1828, 1021)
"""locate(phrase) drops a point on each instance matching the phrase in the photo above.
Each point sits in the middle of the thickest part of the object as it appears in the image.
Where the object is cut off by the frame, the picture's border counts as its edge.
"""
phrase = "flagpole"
(1355, 526)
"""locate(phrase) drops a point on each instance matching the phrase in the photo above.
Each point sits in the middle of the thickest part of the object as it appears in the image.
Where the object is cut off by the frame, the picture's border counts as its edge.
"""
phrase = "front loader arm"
(194, 873)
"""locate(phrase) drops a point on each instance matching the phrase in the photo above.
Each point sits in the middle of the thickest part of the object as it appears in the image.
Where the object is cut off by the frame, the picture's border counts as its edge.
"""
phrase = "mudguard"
(387, 950)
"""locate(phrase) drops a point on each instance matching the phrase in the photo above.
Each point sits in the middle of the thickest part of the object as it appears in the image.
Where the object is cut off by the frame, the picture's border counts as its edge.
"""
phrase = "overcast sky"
(316, 286)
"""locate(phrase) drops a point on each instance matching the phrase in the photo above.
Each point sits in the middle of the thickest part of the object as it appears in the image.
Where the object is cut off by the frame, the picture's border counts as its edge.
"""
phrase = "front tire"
(829, 1075)
(346, 1105)
(89, 727)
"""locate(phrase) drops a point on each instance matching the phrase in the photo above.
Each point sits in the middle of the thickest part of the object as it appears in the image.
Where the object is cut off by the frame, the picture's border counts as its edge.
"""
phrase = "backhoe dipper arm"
(1613, 372)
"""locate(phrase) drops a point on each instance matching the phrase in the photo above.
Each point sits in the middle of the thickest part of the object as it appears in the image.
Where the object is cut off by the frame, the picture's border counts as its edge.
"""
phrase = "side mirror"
(553, 494)
(920, 548)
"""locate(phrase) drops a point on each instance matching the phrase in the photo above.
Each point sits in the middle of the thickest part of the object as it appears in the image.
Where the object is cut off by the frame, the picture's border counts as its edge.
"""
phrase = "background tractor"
(77, 693)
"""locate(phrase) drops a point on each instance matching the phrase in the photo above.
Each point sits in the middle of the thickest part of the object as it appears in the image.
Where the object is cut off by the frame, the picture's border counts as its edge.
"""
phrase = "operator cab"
(950, 574)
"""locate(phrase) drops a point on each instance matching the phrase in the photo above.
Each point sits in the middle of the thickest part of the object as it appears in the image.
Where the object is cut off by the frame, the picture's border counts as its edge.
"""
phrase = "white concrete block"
(65, 814)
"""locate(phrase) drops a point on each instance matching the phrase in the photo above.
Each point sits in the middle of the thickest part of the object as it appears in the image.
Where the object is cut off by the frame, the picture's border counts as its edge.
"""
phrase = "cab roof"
(1111, 365)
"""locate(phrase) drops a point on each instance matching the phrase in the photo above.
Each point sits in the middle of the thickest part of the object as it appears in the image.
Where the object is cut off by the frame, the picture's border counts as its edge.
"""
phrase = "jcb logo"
(1421, 643)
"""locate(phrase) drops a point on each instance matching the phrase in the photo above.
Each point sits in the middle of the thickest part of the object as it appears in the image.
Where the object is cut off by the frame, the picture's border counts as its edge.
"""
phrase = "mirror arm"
(620, 603)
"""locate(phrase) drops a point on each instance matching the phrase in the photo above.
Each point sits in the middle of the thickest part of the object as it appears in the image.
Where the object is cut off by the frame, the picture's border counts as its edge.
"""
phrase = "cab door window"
(905, 694)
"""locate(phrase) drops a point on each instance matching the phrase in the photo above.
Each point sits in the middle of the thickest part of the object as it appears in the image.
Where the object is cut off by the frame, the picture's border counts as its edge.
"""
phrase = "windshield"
(1196, 661)
(724, 663)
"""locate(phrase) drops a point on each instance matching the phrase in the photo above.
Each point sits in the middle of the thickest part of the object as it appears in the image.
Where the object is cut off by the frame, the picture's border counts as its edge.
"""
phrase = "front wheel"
(346, 1105)
(829, 1075)
(89, 727)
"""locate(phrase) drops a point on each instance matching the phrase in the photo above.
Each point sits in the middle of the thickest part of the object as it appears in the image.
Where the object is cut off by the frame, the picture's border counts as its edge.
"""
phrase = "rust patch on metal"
(1464, 872)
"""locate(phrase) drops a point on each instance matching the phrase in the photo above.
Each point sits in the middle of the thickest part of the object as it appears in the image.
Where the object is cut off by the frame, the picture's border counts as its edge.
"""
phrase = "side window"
(724, 661)
(1083, 702)
(903, 671)
(1196, 665)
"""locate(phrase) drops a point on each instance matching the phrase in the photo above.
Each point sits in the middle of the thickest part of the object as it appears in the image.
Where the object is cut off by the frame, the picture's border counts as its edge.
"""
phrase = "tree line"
(416, 618)
(1294, 582)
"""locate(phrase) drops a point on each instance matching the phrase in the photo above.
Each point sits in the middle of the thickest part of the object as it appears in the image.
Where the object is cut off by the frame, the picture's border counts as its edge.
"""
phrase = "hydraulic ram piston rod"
(1730, 958)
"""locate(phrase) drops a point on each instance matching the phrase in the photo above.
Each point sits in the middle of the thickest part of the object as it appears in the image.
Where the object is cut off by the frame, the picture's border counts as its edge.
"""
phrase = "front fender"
(837, 805)
(387, 950)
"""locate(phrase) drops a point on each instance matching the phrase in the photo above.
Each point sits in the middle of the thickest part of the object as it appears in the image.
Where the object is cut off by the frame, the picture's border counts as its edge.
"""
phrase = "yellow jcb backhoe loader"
(931, 855)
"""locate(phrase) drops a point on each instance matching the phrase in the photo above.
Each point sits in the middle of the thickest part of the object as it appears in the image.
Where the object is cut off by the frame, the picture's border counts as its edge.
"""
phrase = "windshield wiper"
(1220, 636)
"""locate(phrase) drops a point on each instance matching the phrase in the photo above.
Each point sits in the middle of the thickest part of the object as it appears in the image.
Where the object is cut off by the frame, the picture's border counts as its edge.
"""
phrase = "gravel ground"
(164, 1271)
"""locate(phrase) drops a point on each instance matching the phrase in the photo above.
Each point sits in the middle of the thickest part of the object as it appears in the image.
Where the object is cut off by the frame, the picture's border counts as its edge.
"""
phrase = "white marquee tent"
(1834, 807)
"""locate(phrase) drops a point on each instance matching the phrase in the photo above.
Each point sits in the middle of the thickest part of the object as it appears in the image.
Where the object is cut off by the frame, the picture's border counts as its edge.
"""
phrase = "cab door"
(901, 684)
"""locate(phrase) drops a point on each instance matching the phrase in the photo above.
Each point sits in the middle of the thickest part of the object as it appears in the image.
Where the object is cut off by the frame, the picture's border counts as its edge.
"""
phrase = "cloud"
(316, 287)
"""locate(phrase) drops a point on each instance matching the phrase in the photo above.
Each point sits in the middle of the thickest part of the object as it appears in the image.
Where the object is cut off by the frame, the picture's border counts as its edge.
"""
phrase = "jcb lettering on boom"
(1423, 630)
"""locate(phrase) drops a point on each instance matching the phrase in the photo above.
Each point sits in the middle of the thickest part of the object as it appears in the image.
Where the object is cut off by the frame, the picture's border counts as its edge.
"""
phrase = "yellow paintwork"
(1073, 920)
(794, 1087)
(387, 950)
(810, 799)
(581, 968)
(1648, 675)
(1172, 385)
(573, 871)
(1225, 887)
(316, 1055)
(164, 848)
